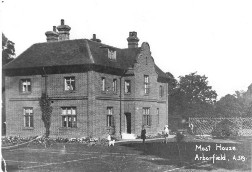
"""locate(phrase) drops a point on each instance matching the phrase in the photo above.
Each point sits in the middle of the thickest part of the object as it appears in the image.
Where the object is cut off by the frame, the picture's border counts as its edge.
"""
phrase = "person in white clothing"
(166, 133)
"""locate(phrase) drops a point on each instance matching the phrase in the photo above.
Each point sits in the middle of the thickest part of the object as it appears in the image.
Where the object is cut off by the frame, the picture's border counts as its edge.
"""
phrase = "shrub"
(225, 129)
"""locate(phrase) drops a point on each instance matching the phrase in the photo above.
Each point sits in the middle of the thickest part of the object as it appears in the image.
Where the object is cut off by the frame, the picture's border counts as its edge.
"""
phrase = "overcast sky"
(213, 37)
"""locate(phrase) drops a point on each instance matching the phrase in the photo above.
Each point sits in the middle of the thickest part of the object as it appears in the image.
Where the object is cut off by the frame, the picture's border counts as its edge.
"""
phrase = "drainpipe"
(45, 75)
(121, 102)
(121, 106)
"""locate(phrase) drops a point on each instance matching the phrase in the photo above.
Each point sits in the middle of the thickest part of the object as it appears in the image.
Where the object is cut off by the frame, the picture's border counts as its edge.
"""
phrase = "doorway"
(128, 123)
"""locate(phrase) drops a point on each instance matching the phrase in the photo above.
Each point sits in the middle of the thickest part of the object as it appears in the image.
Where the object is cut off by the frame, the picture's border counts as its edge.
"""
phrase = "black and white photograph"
(126, 86)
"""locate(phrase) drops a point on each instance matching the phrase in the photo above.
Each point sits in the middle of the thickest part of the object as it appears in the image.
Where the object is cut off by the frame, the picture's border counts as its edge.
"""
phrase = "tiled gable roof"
(75, 52)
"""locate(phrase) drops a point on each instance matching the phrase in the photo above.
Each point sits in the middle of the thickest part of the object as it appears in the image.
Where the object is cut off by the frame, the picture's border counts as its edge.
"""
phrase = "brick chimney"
(52, 36)
(95, 39)
(132, 40)
(63, 31)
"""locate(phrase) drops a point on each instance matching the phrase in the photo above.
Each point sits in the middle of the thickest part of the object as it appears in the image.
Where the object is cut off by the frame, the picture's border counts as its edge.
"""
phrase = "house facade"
(94, 88)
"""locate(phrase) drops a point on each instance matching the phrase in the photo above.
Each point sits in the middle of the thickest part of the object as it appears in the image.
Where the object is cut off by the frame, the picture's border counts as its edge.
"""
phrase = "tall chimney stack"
(95, 39)
(52, 36)
(63, 31)
(132, 40)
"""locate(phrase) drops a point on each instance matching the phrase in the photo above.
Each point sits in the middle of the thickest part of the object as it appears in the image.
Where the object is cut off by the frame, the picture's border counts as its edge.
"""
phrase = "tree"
(193, 96)
(46, 109)
(229, 106)
(237, 105)
(8, 50)
(172, 89)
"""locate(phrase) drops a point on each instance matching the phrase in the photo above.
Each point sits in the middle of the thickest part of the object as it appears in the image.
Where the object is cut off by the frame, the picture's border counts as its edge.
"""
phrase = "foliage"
(179, 137)
(229, 106)
(8, 50)
(225, 129)
(46, 109)
(237, 105)
(192, 96)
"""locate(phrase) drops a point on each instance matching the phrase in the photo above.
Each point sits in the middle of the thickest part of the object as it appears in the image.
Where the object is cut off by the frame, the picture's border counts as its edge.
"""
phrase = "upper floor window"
(103, 84)
(111, 54)
(114, 86)
(28, 117)
(161, 91)
(110, 121)
(146, 116)
(69, 83)
(25, 85)
(127, 86)
(146, 84)
(69, 117)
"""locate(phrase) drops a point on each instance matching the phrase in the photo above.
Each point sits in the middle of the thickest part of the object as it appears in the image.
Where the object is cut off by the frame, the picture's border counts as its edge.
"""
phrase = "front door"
(128, 122)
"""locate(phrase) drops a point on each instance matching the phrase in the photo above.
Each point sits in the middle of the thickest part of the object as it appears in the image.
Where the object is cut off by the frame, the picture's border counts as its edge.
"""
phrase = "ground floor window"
(28, 117)
(110, 120)
(146, 116)
(69, 117)
(157, 115)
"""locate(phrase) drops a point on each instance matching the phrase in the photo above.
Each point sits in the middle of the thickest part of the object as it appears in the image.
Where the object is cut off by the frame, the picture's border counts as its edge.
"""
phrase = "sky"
(212, 38)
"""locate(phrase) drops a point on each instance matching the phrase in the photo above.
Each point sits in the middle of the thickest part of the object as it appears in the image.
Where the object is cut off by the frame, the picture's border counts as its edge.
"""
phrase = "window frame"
(103, 86)
(111, 54)
(26, 91)
(109, 117)
(72, 80)
(125, 86)
(29, 116)
(146, 84)
(146, 117)
(114, 85)
(69, 120)
(161, 91)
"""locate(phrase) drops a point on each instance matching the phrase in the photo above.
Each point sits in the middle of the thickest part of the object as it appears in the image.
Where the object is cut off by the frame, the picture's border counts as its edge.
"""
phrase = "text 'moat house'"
(94, 88)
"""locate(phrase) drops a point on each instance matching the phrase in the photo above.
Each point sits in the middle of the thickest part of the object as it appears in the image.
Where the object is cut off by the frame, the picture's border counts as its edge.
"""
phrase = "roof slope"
(75, 52)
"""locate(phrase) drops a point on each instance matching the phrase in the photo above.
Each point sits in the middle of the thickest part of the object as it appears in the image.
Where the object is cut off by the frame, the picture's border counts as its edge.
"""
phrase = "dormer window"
(111, 54)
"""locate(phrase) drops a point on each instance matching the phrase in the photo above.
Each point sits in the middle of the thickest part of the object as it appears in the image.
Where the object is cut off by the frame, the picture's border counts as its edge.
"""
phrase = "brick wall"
(90, 101)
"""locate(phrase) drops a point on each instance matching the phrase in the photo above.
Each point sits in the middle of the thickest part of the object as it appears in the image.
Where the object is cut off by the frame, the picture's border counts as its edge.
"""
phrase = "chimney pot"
(62, 22)
(54, 28)
(94, 38)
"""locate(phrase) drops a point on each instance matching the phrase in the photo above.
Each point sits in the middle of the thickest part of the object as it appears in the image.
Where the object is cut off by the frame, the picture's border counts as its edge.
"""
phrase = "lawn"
(130, 156)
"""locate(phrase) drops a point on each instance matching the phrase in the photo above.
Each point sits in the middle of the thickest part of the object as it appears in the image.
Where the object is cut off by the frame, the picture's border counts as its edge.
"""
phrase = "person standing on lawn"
(166, 133)
(143, 134)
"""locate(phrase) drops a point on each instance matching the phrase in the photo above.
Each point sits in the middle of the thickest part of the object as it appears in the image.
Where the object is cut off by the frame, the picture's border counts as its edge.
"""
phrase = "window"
(111, 54)
(103, 84)
(114, 86)
(127, 86)
(110, 121)
(146, 117)
(28, 117)
(157, 115)
(146, 84)
(161, 91)
(69, 83)
(69, 117)
(25, 85)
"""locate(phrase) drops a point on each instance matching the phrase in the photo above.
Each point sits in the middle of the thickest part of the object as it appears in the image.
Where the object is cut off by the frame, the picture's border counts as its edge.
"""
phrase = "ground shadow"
(185, 154)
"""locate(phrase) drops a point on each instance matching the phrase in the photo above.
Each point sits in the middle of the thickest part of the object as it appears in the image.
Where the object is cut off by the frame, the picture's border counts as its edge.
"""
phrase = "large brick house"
(93, 88)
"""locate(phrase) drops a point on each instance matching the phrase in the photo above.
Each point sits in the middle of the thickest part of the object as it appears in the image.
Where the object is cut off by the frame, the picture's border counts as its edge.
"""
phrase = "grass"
(130, 156)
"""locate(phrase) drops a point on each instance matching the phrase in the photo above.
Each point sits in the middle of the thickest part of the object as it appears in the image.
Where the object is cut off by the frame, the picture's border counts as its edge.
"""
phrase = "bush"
(225, 129)
(179, 136)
